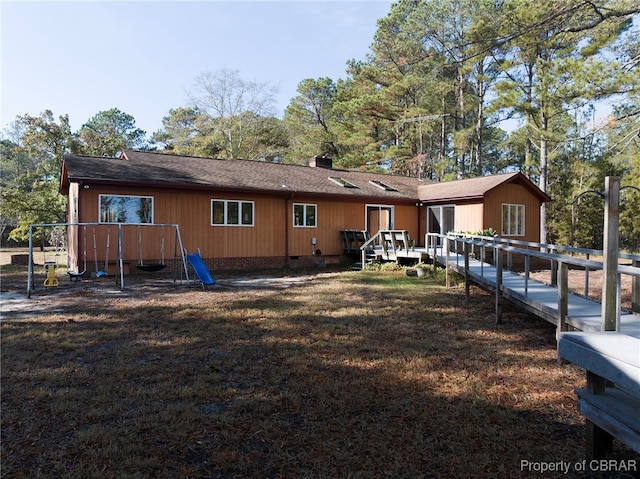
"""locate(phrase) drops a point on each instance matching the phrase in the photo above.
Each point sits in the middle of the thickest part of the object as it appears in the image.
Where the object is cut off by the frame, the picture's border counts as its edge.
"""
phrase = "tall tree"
(311, 122)
(31, 195)
(553, 67)
(186, 132)
(109, 132)
(420, 96)
(236, 111)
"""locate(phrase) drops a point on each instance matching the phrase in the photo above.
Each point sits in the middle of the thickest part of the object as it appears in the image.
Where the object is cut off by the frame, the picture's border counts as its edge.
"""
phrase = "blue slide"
(201, 269)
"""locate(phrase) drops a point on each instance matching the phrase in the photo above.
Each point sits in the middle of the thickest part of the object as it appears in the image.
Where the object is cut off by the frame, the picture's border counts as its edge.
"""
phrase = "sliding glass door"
(441, 219)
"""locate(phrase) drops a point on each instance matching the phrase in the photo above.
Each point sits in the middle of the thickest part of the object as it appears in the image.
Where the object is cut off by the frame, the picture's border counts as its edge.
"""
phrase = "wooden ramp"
(540, 299)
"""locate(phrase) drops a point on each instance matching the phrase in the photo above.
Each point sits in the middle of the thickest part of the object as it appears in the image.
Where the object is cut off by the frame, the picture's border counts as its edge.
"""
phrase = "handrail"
(381, 235)
(365, 245)
(559, 262)
(503, 245)
(551, 246)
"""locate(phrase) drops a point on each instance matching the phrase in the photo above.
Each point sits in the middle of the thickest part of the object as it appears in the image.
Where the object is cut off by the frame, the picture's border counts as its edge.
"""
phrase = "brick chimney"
(320, 162)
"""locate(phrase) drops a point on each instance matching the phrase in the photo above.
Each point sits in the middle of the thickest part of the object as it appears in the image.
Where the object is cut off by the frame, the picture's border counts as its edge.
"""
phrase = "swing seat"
(76, 276)
(101, 274)
(151, 267)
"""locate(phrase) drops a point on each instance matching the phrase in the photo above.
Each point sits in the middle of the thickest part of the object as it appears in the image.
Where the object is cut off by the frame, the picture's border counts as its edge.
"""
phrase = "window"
(304, 215)
(231, 213)
(382, 185)
(125, 209)
(342, 182)
(512, 220)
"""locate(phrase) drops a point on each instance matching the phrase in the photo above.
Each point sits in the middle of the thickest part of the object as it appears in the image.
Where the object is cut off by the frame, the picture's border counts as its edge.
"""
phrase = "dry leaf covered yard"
(341, 375)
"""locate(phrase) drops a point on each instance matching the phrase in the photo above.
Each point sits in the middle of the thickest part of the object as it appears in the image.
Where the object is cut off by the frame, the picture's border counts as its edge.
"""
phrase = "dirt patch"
(70, 296)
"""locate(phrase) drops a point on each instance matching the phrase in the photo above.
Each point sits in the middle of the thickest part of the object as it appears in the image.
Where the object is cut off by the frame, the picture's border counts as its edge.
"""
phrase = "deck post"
(635, 290)
(446, 261)
(466, 270)
(498, 261)
(610, 316)
(119, 264)
(563, 298)
(554, 268)
(599, 441)
(434, 243)
(586, 279)
(527, 268)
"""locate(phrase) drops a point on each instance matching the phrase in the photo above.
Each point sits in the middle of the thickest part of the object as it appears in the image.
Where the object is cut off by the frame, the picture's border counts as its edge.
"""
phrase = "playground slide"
(201, 269)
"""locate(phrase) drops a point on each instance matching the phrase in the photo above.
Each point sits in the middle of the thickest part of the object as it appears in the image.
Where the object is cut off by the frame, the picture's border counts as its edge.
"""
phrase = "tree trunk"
(479, 121)
(543, 174)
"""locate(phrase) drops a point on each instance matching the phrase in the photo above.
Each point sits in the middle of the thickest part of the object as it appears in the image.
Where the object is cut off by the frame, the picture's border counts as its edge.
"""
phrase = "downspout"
(287, 209)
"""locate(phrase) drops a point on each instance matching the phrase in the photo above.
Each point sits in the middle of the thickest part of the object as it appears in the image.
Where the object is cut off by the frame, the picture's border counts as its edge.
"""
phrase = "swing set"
(150, 267)
(129, 243)
(78, 275)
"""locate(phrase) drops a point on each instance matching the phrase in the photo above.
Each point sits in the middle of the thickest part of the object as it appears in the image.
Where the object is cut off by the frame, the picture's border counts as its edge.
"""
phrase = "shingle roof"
(473, 188)
(172, 171)
(150, 168)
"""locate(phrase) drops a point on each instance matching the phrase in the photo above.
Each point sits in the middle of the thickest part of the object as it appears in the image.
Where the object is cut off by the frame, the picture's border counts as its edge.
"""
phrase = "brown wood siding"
(406, 218)
(273, 225)
(469, 217)
(517, 195)
(333, 217)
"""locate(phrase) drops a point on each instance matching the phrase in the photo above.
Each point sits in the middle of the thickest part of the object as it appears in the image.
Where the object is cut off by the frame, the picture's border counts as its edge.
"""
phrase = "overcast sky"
(82, 57)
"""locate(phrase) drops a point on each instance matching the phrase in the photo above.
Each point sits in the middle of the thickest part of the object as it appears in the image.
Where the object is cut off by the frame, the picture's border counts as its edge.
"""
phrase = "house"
(508, 203)
(242, 213)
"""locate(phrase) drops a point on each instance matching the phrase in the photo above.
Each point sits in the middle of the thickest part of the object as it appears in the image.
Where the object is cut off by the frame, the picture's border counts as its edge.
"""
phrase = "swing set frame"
(123, 230)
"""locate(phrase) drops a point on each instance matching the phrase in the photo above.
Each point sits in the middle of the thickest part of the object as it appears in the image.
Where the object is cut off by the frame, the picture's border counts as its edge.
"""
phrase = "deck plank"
(583, 313)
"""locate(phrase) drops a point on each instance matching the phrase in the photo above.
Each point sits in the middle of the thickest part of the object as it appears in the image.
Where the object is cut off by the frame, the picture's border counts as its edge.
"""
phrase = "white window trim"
(440, 218)
(519, 223)
(392, 214)
(226, 204)
(153, 207)
(304, 215)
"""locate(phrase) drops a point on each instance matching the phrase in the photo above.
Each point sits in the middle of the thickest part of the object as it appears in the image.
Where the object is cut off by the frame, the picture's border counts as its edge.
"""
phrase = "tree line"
(449, 89)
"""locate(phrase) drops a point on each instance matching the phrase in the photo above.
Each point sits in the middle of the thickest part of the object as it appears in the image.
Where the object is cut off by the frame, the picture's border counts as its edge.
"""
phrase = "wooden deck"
(542, 300)
(392, 245)
(611, 399)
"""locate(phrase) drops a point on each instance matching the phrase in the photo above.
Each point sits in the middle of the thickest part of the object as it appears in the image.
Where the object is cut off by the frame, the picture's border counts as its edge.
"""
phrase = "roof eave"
(531, 187)
(452, 199)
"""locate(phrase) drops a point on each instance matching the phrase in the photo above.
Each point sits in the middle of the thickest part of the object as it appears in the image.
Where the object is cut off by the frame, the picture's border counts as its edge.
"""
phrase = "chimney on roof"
(320, 162)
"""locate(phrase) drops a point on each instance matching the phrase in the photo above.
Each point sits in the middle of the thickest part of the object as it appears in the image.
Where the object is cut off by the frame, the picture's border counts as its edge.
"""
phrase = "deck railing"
(464, 246)
(387, 243)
